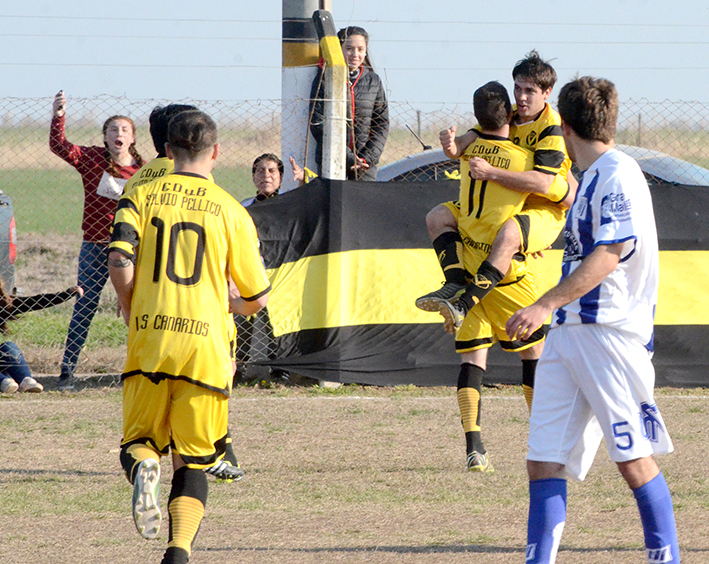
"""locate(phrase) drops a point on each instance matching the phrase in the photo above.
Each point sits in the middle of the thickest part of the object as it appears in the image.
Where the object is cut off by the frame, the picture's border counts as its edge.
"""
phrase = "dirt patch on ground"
(353, 476)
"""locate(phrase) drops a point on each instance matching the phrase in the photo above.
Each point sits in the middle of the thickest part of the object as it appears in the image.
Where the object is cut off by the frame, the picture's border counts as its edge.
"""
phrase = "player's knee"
(189, 482)
(439, 220)
(544, 470)
(470, 376)
(508, 239)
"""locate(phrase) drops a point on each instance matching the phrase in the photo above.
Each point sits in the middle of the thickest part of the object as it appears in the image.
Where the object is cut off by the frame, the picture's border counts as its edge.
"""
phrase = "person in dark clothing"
(14, 372)
(367, 109)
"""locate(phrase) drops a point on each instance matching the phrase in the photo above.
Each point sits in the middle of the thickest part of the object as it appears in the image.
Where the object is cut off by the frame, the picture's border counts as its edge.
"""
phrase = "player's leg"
(507, 243)
(655, 505)
(198, 422)
(227, 469)
(620, 390)
(145, 439)
(442, 224)
(93, 275)
(530, 357)
(547, 511)
(186, 505)
(469, 393)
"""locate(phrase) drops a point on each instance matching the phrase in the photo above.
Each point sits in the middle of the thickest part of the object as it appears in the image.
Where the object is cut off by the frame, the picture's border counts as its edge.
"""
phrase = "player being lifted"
(484, 207)
(536, 126)
(175, 243)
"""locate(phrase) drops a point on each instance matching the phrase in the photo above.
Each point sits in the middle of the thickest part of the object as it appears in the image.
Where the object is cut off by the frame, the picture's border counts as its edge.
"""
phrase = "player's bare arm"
(454, 147)
(239, 305)
(529, 181)
(121, 270)
(593, 270)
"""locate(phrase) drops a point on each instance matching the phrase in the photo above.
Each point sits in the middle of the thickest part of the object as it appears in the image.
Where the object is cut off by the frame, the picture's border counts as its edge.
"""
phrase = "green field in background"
(51, 201)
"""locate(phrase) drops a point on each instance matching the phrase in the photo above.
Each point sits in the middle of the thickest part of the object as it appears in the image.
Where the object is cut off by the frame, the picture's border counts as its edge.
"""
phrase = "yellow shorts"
(190, 419)
(485, 323)
(539, 225)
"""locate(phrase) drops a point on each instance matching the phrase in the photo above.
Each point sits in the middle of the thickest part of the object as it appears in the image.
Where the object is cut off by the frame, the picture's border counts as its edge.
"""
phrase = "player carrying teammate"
(175, 243)
(535, 127)
(484, 207)
(595, 377)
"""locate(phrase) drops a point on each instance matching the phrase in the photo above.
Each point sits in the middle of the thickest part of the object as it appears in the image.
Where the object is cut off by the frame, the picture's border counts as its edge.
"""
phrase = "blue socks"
(547, 516)
(658, 519)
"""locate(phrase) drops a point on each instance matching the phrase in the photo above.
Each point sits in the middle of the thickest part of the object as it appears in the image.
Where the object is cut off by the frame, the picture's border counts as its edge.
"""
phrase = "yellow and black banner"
(348, 259)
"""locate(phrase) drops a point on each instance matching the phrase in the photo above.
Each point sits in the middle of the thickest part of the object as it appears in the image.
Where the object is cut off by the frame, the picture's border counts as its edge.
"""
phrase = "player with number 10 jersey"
(184, 232)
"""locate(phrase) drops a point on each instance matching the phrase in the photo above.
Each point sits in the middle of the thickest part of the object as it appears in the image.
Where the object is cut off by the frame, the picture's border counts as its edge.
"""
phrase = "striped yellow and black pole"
(299, 69)
(335, 92)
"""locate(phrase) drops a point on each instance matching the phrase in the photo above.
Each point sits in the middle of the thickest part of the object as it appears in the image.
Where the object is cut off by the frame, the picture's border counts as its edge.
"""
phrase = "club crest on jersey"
(580, 207)
(615, 207)
(651, 425)
(532, 139)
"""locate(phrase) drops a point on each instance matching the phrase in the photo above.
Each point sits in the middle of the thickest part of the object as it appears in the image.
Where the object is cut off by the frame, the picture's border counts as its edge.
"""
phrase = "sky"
(431, 54)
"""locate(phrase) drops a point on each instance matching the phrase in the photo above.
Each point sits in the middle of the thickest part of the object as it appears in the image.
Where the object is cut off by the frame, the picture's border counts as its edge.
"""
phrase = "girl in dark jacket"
(367, 132)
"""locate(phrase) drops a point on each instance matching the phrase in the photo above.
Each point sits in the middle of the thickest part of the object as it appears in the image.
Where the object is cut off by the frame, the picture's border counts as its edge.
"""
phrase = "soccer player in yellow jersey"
(484, 206)
(175, 244)
(228, 469)
(550, 186)
(161, 165)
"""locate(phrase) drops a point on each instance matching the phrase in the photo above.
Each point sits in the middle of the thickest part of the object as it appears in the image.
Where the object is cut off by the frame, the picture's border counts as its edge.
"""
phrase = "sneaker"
(8, 386)
(30, 385)
(453, 315)
(478, 462)
(225, 471)
(449, 291)
(146, 499)
(66, 383)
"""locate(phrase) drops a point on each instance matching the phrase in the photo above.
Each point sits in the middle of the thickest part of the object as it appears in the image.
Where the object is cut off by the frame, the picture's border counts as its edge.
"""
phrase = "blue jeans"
(93, 274)
(12, 363)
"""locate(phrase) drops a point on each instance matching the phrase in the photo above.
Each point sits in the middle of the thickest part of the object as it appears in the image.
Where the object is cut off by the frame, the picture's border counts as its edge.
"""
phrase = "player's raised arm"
(454, 146)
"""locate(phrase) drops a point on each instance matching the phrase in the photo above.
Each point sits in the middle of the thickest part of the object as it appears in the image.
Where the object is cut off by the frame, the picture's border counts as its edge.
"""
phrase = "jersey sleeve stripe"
(552, 130)
(257, 296)
(549, 159)
(125, 203)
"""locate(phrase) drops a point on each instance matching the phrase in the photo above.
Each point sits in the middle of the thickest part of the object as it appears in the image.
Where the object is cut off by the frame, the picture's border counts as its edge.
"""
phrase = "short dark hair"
(191, 133)
(590, 107)
(492, 106)
(160, 120)
(267, 157)
(535, 69)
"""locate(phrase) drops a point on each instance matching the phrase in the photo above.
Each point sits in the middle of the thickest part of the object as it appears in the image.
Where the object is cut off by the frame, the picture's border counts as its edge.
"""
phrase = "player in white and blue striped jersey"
(595, 377)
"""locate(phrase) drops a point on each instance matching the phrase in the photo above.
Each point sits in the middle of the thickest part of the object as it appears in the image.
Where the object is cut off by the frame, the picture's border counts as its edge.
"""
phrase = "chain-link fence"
(48, 199)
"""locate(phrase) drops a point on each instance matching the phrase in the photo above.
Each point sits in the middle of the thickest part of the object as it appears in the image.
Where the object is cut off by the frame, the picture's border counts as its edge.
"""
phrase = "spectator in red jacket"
(104, 171)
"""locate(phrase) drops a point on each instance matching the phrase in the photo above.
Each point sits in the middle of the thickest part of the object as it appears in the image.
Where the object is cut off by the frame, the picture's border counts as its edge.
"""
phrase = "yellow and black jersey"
(186, 236)
(486, 205)
(156, 169)
(153, 170)
(543, 136)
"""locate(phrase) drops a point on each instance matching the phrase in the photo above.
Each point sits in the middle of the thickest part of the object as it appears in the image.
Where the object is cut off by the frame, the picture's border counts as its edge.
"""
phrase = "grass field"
(352, 475)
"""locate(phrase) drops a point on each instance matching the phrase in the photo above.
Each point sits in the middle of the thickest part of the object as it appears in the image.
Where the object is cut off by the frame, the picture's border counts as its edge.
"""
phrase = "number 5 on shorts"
(622, 435)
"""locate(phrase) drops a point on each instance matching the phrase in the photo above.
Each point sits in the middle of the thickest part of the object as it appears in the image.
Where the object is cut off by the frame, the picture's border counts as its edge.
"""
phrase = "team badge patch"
(651, 424)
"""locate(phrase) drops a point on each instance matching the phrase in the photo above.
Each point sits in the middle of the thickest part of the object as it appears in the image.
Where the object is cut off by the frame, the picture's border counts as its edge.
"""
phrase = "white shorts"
(594, 381)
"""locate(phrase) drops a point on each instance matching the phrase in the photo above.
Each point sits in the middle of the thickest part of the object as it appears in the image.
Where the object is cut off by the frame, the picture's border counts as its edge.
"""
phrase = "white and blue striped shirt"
(613, 205)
